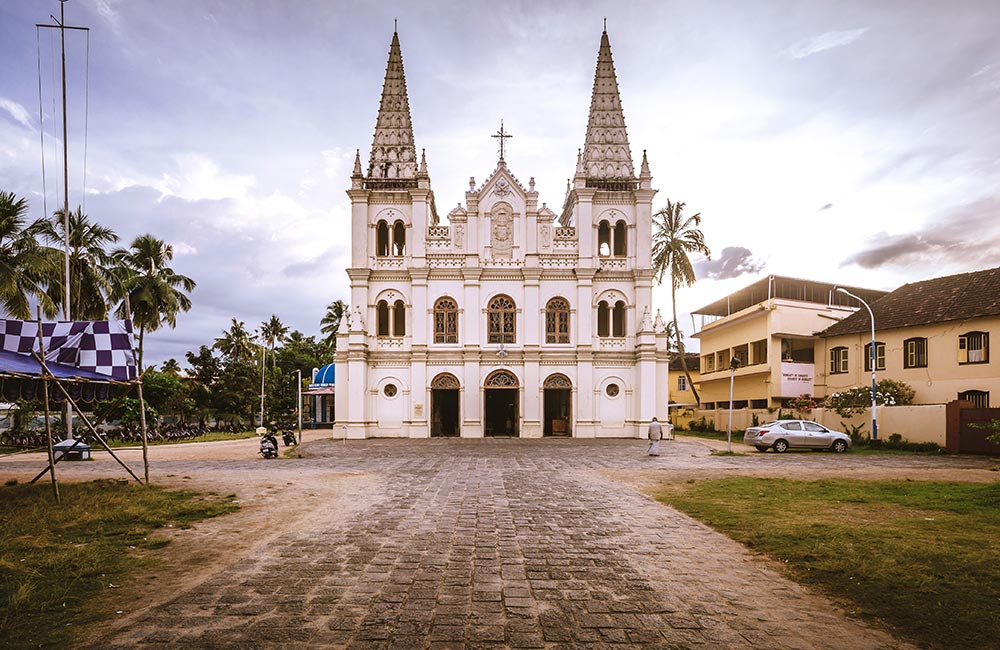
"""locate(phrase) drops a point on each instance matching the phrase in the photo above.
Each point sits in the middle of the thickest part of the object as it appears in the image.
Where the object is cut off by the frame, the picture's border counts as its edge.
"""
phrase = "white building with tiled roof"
(505, 318)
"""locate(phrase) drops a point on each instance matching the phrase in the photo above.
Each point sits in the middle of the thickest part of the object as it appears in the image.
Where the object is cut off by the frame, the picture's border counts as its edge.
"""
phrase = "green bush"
(852, 401)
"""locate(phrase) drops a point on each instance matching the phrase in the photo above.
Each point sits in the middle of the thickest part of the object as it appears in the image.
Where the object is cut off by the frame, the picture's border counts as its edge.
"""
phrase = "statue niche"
(501, 231)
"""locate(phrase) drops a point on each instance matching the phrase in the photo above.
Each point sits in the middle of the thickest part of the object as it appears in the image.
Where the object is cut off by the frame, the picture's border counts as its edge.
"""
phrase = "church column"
(474, 332)
(532, 327)
(585, 412)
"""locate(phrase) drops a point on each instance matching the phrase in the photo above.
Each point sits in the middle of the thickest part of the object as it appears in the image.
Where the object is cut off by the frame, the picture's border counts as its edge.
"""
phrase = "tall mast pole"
(62, 33)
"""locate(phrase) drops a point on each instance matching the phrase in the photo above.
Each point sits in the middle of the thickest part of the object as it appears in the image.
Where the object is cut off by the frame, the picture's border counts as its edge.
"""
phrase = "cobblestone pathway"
(500, 544)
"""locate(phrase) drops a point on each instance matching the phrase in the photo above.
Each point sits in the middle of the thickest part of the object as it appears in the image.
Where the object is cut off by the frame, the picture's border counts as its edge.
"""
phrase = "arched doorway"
(501, 409)
(444, 406)
(557, 397)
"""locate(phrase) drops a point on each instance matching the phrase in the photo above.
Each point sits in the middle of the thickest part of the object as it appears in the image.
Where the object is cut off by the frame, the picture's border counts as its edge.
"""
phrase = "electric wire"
(41, 121)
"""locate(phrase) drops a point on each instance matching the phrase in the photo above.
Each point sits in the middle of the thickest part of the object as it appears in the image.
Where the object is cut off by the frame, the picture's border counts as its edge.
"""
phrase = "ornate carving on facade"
(445, 381)
(459, 236)
(557, 381)
(501, 379)
(501, 231)
(558, 261)
(377, 263)
(445, 260)
(644, 324)
(438, 232)
(546, 235)
(502, 188)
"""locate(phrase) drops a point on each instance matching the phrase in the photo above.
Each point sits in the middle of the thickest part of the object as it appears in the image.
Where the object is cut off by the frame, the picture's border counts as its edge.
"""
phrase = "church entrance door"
(444, 406)
(501, 413)
(557, 398)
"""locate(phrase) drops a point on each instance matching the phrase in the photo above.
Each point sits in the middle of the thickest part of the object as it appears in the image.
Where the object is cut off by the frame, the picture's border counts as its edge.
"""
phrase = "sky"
(842, 141)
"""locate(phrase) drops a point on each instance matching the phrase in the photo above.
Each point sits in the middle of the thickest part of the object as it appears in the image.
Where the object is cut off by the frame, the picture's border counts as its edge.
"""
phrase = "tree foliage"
(888, 392)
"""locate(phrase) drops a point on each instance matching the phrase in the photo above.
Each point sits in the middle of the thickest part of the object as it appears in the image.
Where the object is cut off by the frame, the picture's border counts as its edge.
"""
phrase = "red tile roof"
(693, 362)
(960, 297)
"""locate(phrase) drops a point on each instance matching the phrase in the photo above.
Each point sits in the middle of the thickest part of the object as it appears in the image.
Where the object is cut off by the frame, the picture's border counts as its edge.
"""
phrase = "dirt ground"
(282, 496)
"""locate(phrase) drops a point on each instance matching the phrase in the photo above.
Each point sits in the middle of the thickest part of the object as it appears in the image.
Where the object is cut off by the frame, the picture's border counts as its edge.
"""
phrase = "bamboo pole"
(45, 400)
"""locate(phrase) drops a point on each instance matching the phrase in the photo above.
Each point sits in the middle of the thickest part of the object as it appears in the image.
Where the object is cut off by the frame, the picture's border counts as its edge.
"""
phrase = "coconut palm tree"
(331, 321)
(151, 290)
(90, 263)
(236, 343)
(273, 331)
(24, 265)
(674, 237)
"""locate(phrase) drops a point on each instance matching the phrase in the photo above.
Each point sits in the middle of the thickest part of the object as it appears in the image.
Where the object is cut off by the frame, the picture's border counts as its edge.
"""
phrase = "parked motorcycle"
(268, 446)
(288, 437)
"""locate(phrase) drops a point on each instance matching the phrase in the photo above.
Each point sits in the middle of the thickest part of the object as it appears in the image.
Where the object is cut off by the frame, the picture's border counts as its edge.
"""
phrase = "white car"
(782, 435)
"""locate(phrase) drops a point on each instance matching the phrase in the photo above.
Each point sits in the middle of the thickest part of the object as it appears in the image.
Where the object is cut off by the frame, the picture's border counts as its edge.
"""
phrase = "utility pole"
(61, 25)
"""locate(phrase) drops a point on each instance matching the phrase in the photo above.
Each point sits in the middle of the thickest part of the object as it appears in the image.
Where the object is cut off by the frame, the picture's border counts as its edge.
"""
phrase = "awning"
(326, 390)
(20, 377)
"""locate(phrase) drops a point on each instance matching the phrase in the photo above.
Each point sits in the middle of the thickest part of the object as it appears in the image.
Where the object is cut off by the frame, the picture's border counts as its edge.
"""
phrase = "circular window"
(389, 390)
(612, 390)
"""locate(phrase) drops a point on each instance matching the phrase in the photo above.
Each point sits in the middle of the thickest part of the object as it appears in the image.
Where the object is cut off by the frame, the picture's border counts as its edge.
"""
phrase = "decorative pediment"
(503, 185)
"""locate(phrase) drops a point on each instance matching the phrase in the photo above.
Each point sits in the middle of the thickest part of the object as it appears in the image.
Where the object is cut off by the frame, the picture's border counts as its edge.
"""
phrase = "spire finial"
(395, 24)
(502, 135)
(605, 24)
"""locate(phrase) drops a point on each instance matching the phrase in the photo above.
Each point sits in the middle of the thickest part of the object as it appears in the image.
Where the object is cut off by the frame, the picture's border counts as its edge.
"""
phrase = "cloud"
(964, 238)
(825, 41)
(732, 263)
(18, 112)
(825, 207)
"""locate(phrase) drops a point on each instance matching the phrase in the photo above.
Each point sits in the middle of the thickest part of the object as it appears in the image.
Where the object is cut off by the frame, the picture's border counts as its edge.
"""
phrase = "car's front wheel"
(839, 446)
(780, 446)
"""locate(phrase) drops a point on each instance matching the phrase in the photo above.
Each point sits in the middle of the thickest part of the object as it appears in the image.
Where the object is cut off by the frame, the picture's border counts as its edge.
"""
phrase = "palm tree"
(170, 366)
(24, 265)
(152, 291)
(90, 264)
(331, 321)
(273, 331)
(235, 343)
(674, 237)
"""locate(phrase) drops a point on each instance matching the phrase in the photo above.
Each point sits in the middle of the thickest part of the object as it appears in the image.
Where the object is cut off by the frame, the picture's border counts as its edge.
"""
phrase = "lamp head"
(734, 363)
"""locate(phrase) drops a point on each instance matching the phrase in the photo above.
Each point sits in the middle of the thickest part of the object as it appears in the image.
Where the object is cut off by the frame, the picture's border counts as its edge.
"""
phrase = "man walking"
(654, 435)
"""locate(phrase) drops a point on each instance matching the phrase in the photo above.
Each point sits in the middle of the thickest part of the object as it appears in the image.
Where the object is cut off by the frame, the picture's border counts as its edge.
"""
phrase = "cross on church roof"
(502, 135)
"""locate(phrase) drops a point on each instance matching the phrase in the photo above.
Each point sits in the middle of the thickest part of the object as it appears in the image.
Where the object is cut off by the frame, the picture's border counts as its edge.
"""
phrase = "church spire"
(607, 159)
(393, 161)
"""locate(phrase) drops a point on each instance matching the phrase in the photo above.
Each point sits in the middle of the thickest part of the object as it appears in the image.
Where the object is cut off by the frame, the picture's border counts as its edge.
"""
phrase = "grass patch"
(211, 436)
(721, 452)
(57, 560)
(923, 557)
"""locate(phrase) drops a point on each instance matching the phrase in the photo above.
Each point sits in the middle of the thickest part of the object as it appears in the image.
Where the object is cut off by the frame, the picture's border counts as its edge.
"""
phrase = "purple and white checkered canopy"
(102, 346)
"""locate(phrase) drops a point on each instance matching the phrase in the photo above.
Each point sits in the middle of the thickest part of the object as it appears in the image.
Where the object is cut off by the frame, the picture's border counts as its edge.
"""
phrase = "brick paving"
(502, 544)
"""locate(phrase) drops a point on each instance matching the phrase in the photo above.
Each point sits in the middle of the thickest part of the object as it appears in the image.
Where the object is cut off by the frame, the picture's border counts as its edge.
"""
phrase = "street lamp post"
(734, 363)
(871, 316)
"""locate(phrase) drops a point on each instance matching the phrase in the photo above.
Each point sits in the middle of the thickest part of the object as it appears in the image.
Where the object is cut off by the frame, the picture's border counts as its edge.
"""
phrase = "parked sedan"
(782, 435)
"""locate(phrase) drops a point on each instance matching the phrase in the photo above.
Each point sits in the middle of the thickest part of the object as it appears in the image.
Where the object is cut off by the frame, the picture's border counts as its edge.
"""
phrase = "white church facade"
(506, 318)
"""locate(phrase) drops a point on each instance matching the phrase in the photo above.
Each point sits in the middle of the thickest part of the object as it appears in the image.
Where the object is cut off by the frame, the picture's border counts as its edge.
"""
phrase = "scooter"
(288, 437)
(268, 446)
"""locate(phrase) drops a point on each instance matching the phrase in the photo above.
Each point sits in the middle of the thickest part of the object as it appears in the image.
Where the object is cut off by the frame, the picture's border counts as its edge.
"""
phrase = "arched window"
(382, 239)
(399, 319)
(618, 320)
(501, 320)
(557, 321)
(399, 239)
(603, 319)
(974, 347)
(445, 321)
(620, 242)
(604, 239)
(980, 398)
(382, 319)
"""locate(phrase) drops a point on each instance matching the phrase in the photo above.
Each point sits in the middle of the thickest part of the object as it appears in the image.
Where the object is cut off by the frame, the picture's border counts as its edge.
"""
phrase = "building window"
(382, 239)
(838, 361)
(390, 316)
(974, 347)
(758, 403)
(445, 321)
(758, 352)
(399, 319)
(603, 319)
(682, 383)
(389, 390)
(612, 390)
(621, 245)
(742, 352)
(915, 353)
(722, 359)
(382, 319)
(501, 320)
(708, 362)
(557, 321)
(879, 356)
(979, 398)
(618, 320)
(399, 239)
(604, 239)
